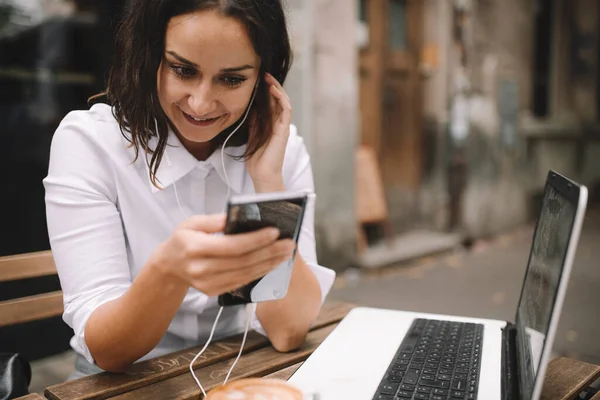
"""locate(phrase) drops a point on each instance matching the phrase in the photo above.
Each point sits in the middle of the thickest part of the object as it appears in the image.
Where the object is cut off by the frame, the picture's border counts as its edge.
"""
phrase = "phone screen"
(286, 215)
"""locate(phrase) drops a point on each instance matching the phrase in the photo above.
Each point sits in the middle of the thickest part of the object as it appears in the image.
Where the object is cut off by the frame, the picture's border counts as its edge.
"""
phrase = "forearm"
(287, 321)
(123, 330)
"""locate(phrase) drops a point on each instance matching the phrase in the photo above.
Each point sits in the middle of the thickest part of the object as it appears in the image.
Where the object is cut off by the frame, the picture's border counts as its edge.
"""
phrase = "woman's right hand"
(216, 264)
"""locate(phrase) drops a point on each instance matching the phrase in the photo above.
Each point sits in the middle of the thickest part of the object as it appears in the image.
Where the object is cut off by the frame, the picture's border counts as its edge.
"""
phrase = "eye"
(182, 72)
(233, 81)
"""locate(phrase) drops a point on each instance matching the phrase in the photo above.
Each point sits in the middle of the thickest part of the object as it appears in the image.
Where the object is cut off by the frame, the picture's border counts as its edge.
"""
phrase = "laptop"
(384, 354)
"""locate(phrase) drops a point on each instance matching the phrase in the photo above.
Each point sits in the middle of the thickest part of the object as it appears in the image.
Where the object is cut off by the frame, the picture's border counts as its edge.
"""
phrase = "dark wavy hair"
(139, 49)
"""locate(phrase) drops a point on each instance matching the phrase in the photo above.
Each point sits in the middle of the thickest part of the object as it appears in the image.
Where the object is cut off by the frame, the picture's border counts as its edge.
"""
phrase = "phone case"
(247, 213)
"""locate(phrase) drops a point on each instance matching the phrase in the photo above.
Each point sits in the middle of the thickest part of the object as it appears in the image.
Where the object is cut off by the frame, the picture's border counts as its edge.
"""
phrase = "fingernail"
(273, 233)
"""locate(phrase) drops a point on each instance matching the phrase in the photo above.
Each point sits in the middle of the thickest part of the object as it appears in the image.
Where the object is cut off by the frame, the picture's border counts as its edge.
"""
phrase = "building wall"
(574, 92)
(496, 45)
(508, 152)
(504, 167)
(500, 61)
(323, 86)
(495, 58)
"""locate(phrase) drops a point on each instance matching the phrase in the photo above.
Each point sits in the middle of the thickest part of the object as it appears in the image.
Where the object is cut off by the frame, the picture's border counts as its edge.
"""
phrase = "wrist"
(159, 268)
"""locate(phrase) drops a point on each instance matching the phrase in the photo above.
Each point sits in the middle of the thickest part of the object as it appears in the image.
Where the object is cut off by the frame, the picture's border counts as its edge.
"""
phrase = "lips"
(200, 121)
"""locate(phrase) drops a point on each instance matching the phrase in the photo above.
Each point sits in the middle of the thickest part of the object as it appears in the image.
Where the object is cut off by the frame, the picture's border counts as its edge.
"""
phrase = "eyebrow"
(188, 62)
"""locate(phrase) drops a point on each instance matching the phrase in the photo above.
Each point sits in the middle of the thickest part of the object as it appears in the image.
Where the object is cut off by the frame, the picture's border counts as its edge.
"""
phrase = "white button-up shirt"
(105, 219)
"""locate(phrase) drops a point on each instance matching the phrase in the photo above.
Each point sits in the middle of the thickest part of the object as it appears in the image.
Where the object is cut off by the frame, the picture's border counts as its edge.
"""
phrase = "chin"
(195, 136)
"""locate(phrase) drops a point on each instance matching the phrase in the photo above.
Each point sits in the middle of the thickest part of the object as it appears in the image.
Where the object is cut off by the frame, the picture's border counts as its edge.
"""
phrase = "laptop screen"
(548, 253)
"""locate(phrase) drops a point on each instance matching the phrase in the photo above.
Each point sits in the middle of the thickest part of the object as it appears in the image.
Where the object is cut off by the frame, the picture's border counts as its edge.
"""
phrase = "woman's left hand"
(265, 166)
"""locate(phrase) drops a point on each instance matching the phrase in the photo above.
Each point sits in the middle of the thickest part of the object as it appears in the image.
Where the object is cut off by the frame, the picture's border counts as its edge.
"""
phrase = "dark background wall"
(47, 69)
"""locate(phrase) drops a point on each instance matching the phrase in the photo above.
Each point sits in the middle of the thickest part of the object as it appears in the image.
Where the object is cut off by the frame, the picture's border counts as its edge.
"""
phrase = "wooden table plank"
(105, 385)
(566, 378)
(32, 396)
(256, 364)
(285, 373)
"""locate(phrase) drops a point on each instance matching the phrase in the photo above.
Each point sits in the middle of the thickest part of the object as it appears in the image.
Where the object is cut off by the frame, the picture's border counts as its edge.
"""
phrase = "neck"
(200, 151)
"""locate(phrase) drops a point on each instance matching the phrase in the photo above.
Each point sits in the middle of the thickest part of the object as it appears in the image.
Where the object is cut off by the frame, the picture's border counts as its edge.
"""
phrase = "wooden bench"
(30, 308)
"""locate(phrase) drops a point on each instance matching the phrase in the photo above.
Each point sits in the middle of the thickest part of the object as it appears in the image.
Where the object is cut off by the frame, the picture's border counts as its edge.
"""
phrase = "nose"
(202, 99)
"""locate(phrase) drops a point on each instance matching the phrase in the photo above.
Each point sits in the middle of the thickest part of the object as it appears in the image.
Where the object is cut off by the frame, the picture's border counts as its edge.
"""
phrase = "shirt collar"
(177, 162)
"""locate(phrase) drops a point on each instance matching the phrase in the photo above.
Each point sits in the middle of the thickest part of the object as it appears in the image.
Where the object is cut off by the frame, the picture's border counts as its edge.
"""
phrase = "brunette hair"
(139, 49)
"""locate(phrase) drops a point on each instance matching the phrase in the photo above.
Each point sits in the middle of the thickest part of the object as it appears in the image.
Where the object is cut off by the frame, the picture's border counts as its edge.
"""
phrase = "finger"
(281, 248)
(285, 113)
(214, 267)
(283, 99)
(238, 244)
(206, 223)
(234, 280)
(274, 82)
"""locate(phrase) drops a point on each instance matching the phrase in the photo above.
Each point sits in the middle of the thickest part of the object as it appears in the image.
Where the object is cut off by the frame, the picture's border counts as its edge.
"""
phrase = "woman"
(136, 187)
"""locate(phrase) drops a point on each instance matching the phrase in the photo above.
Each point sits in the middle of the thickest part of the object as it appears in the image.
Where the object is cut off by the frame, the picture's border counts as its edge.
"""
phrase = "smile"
(200, 121)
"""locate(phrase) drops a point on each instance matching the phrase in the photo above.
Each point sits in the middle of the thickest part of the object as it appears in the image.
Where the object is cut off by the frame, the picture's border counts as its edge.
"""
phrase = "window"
(397, 25)
(542, 57)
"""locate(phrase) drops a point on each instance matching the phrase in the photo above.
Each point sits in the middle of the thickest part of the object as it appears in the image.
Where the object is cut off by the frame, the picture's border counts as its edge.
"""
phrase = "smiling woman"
(210, 55)
(138, 280)
(206, 80)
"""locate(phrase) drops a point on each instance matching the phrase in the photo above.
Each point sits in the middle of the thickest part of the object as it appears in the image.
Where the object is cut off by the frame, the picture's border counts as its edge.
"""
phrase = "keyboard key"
(441, 392)
(438, 397)
(459, 384)
(435, 384)
(411, 377)
(423, 389)
(389, 388)
(457, 394)
(383, 397)
(421, 396)
(408, 388)
(402, 394)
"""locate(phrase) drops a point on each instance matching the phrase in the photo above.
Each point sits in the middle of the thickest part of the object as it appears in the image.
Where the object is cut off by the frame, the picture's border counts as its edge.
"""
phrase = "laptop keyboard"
(437, 360)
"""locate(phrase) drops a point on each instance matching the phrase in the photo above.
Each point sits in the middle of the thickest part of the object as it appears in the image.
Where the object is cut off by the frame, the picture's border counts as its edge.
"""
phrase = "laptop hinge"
(510, 372)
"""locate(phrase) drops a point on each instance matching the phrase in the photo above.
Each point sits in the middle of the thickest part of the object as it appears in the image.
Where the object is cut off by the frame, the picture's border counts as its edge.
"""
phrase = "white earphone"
(234, 131)
(253, 306)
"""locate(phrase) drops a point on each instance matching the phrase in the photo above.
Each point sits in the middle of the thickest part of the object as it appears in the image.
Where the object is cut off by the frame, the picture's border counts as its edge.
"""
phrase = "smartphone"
(247, 213)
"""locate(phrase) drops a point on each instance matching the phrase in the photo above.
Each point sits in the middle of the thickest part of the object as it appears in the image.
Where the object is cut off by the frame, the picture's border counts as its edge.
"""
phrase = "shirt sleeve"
(298, 171)
(84, 224)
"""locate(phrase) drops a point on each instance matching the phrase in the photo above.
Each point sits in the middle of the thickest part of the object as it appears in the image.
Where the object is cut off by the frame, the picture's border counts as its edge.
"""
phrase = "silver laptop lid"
(554, 243)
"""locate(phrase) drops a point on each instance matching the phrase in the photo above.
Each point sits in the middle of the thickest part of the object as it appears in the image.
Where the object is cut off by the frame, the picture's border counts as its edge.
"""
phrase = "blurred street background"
(431, 126)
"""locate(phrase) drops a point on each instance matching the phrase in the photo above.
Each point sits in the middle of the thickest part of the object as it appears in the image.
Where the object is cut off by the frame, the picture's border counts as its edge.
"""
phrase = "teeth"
(200, 119)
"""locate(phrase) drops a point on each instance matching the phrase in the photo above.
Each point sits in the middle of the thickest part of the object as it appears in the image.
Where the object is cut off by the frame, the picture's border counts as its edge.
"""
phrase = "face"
(207, 75)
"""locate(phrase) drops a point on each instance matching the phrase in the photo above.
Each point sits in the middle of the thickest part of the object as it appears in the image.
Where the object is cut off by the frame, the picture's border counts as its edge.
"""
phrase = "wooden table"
(168, 377)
